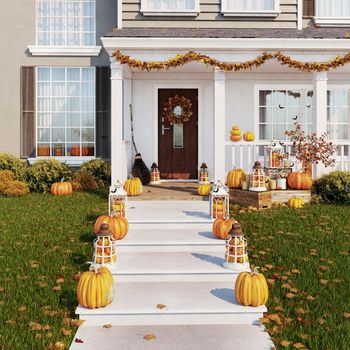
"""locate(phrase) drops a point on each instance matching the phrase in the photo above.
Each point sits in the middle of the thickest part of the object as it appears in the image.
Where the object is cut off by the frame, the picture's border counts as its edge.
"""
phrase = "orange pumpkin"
(43, 151)
(299, 181)
(249, 136)
(235, 177)
(61, 188)
(235, 134)
(75, 151)
(222, 227)
(118, 225)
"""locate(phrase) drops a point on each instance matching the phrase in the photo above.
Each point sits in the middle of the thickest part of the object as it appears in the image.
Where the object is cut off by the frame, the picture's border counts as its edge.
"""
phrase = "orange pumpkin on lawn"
(61, 188)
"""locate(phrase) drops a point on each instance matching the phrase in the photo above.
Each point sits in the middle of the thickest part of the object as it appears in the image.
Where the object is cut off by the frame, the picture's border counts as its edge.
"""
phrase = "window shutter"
(103, 112)
(308, 8)
(27, 112)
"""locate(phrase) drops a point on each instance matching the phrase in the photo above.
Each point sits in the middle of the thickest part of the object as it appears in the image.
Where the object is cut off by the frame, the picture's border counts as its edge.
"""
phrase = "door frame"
(183, 85)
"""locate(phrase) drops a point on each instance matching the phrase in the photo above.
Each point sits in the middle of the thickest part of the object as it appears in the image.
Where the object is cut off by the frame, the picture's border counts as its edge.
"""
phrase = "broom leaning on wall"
(139, 168)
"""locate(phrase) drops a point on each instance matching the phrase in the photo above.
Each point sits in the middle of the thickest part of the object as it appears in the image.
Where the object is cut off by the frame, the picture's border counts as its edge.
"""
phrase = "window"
(250, 7)
(65, 112)
(332, 13)
(170, 7)
(66, 23)
(308, 8)
(280, 109)
(338, 114)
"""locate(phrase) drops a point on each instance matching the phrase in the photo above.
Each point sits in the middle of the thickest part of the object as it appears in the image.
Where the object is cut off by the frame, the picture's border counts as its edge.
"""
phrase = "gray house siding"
(209, 17)
(17, 28)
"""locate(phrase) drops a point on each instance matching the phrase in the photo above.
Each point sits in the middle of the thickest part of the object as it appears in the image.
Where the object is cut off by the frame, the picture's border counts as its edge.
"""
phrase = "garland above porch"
(191, 56)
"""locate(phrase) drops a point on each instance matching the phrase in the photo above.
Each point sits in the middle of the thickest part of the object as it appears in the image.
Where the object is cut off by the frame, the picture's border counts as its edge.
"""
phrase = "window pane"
(43, 104)
(338, 115)
(87, 104)
(88, 119)
(44, 120)
(43, 135)
(58, 74)
(73, 89)
(341, 132)
(279, 132)
(73, 134)
(58, 135)
(58, 104)
(265, 115)
(88, 74)
(251, 5)
(265, 132)
(265, 98)
(279, 98)
(44, 89)
(88, 89)
(87, 135)
(73, 119)
(279, 115)
(293, 98)
(294, 115)
(58, 89)
(58, 119)
(327, 8)
(73, 74)
(43, 74)
(73, 104)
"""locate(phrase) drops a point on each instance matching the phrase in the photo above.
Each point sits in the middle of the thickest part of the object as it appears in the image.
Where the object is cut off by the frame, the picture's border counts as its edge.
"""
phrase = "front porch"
(225, 99)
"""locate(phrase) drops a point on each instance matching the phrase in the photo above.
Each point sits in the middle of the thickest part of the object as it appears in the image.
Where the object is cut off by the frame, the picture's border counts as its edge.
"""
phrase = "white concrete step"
(221, 337)
(168, 212)
(200, 303)
(171, 266)
(170, 237)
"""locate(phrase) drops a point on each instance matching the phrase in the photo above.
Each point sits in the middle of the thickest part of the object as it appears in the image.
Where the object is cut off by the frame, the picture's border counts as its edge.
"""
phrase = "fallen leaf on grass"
(295, 271)
(1, 290)
(293, 290)
(286, 285)
(56, 288)
(285, 343)
(11, 322)
(76, 323)
(66, 331)
(321, 321)
(107, 325)
(60, 280)
(149, 337)
(346, 315)
(268, 266)
(34, 264)
(278, 308)
(22, 308)
(310, 298)
(324, 267)
(324, 282)
(270, 281)
(38, 336)
(299, 346)
(300, 310)
(160, 306)
(34, 326)
(303, 336)
(337, 280)
(77, 276)
(290, 295)
(288, 320)
(264, 320)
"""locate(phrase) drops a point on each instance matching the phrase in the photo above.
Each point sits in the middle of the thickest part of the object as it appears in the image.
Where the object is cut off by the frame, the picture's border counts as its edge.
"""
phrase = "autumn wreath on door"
(178, 109)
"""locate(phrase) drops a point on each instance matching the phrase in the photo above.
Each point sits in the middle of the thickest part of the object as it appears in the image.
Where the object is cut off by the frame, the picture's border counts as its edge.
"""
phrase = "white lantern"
(105, 247)
(236, 256)
(117, 200)
(219, 202)
(155, 174)
(257, 179)
(273, 155)
(203, 177)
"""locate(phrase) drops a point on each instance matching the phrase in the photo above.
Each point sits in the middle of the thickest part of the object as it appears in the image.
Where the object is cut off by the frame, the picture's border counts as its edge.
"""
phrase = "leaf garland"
(191, 56)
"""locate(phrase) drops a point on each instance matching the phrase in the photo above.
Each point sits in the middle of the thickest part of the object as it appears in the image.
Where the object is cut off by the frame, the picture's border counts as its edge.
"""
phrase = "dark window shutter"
(308, 8)
(103, 112)
(28, 112)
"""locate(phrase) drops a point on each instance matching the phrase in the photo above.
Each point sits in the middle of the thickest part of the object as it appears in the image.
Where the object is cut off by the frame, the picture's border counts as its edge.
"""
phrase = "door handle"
(164, 128)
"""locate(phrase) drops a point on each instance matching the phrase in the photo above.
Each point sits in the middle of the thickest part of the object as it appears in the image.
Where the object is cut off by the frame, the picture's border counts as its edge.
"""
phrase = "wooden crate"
(263, 200)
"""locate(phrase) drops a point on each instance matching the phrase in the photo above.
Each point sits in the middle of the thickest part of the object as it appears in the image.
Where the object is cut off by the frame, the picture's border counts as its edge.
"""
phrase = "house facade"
(69, 88)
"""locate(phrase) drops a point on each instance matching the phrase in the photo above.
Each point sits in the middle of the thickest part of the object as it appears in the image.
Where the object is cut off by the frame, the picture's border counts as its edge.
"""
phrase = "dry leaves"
(299, 346)
(160, 306)
(285, 343)
(149, 337)
(107, 326)
(310, 298)
(321, 321)
(324, 282)
(290, 295)
(34, 264)
(22, 308)
(295, 271)
(346, 315)
(66, 332)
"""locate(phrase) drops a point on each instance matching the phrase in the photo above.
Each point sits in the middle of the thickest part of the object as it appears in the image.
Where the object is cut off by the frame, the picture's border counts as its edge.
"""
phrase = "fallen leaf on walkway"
(76, 323)
(149, 337)
(107, 325)
(160, 306)
(77, 340)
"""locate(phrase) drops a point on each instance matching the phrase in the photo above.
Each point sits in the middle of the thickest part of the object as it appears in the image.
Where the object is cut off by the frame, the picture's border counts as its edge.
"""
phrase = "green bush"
(99, 169)
(334, 187)
(11, 187)
(43, 173)
(17, 166)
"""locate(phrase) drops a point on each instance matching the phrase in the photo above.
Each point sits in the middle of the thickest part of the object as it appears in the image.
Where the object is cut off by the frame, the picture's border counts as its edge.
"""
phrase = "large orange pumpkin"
(299, 181)
(118, 225)
(61, 188)
(235, 177)
(222, 227)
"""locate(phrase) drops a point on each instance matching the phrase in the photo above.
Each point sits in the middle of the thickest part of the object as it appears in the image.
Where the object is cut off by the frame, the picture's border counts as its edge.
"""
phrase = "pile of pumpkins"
(235, 135)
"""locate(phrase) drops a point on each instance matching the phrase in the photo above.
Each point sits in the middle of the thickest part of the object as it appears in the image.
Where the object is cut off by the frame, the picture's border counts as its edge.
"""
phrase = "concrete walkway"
(170, 257)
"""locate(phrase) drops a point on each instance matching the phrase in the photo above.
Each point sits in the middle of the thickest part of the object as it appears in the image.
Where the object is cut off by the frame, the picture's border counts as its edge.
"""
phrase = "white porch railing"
(244, 154)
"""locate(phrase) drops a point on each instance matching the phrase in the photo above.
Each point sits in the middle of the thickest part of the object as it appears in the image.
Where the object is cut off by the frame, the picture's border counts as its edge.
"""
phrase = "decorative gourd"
(61, 188)
(296, 202)
(75, 151)
(251, 289)
(204, 189)
(299, 181)
(235, 177)
(222, 227)
(95, 288)
(118, 225)
(235, 134)
(133, 186)
(249, 136)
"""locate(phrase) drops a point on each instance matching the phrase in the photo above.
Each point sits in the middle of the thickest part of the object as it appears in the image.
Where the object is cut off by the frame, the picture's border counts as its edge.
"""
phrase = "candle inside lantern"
(116, 200)
(105, 247)
(219, 202)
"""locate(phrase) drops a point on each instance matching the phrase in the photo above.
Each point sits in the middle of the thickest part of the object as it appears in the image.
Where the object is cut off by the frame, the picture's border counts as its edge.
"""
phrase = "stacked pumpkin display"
(235, 134)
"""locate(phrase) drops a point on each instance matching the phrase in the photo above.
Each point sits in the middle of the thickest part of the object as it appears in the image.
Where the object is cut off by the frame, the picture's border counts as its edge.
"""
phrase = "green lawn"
(45, 240)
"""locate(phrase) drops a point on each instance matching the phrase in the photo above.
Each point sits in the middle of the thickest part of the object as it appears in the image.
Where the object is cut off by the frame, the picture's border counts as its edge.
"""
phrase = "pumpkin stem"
(131, 176)
(92, 266)
(256, 269)
(62, 180)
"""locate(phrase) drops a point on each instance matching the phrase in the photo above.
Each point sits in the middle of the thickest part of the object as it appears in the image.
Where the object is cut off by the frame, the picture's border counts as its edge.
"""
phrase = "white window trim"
(332, 21)
(65, 50)
(229, 13)
(173, 13)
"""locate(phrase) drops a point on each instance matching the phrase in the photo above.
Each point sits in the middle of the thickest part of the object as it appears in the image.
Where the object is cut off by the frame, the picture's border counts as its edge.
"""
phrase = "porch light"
(219, 201)
(203, 177)
(155, 174)
(117, 200)
(257, 179)
(273, 155)
(236, 256)
(105, 247)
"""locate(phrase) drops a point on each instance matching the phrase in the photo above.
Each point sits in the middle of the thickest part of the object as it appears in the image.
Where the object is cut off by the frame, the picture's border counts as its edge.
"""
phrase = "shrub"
(84, 181)
(99, 169)
(11, 187)
(43, 173)
(334, 187)
(17, 166)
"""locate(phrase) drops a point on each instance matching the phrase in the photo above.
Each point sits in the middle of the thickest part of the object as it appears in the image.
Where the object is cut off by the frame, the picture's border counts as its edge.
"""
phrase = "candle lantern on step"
(236, 256)
(117, 200)
(273, 158)
(203, 177)
(219, 200)
(105, 247)
(155, 174)
(257, 179)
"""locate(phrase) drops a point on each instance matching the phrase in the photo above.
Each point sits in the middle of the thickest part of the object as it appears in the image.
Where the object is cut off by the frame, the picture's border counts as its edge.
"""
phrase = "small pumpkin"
(235, 177)
(75, 151)
(296, 202)
(61, 188)
(133, 186)
(251, 289)
(95, 288)
(299, 181)
(204, 189)
(249, 136)
(118, 225)
(43, 151)
(222, 227)
(235, 134)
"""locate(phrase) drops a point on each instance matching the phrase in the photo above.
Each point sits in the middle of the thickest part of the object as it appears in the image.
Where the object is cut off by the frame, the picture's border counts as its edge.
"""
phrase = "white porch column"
(320, 110)
(219, 125)
(117, 146)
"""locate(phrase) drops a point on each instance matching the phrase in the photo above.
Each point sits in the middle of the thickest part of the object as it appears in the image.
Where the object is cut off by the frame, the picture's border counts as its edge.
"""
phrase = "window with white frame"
(66, 22)
(170, 7)
(332, 13)
(250, 7)
(280, 109)
(65, 111)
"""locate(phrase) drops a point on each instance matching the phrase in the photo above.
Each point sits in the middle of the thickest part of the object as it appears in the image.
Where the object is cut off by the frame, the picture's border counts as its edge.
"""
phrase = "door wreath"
(178, 109)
